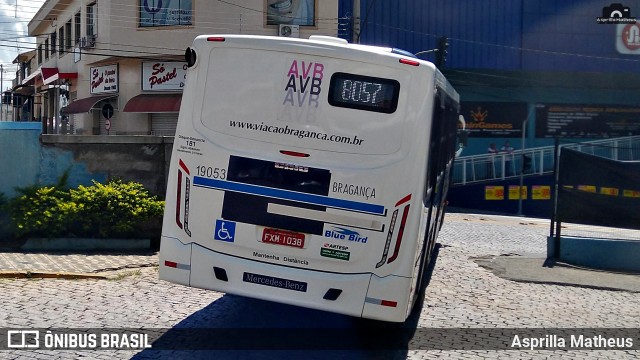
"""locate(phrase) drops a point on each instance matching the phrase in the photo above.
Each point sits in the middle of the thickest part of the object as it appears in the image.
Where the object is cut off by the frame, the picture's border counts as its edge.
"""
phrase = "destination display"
(364, 92)
(586, 121)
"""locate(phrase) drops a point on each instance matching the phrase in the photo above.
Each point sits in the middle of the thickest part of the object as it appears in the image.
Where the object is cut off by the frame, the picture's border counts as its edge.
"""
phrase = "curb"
(49, 275)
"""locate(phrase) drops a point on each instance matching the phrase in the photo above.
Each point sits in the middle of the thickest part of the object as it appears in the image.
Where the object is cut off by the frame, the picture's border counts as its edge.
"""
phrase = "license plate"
(282, 237)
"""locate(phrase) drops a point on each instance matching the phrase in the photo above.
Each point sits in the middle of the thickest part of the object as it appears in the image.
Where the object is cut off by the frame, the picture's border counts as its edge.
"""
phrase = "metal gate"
(164, 124)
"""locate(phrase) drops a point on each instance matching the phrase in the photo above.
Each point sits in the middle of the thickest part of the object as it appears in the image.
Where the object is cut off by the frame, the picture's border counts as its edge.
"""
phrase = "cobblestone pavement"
(460, 295)
(74, 262)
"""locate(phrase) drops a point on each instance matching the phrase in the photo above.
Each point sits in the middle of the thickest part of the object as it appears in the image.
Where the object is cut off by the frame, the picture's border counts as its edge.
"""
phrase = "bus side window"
(434, 144)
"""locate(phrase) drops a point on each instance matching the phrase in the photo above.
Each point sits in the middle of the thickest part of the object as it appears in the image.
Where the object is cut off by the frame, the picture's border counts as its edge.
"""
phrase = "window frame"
(152, 23)
(77, 19)
(91, 19)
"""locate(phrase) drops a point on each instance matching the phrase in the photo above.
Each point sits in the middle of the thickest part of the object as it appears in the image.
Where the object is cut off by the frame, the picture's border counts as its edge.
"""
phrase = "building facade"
(117, 67)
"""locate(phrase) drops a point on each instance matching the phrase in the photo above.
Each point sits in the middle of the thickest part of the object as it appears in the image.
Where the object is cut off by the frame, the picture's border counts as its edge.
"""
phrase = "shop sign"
(163, 75)
(494, 119)
(104, 79)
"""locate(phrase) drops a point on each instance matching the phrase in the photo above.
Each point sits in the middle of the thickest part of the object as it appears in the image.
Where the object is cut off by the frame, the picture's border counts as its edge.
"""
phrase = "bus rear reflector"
(215, 38)
(381, 302)
(176, 265)
(389, 303)
(409, 62)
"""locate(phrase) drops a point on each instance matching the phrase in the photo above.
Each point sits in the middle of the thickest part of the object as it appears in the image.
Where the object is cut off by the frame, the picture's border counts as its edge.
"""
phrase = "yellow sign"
(588, 188)
(494, 192)
(541, 192)
(513, 192)
(609, 191)
(631, 193)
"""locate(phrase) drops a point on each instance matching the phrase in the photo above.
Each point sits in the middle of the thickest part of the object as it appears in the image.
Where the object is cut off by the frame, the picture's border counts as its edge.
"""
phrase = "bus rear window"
(364, 92)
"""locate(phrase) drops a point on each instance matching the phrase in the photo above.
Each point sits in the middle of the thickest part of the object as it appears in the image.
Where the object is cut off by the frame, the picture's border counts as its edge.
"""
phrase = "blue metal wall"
(530, 35)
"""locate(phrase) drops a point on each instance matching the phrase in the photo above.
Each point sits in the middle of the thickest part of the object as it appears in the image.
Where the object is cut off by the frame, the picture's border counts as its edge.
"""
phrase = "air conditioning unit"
(289, 30)
(88, 41)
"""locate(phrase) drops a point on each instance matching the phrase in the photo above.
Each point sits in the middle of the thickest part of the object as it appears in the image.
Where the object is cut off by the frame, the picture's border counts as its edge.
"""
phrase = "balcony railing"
(537, 161)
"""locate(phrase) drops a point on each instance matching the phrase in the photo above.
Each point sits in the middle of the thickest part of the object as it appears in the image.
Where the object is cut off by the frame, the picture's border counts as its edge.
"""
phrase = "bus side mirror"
(190, 56)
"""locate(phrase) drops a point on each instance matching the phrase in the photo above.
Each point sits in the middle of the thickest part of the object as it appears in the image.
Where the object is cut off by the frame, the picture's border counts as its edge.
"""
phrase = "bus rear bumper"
(333, 292)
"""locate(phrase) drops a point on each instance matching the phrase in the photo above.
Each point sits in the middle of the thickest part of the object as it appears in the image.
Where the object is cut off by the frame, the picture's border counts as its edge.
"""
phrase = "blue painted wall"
(528, 35)
(20, 154)
(26, 161)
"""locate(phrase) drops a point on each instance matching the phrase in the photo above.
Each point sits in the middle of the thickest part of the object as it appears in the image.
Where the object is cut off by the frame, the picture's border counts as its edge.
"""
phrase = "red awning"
(49, 75)
(154, 103)
(84, 105)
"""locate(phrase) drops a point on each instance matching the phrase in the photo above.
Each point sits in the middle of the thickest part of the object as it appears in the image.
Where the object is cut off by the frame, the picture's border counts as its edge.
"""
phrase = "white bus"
(309, 172)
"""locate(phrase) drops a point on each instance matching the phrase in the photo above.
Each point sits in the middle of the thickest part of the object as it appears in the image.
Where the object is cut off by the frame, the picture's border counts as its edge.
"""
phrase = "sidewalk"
(71, 265)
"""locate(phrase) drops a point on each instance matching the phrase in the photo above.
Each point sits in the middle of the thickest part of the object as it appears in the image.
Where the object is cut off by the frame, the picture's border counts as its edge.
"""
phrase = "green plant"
(113, 209)
(40, 212)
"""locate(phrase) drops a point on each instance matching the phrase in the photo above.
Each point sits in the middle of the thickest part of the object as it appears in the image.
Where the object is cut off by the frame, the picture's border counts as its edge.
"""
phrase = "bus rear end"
(297, 174)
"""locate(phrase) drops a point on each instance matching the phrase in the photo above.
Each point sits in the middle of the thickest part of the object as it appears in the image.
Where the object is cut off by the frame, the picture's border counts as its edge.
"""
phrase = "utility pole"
(441, 54)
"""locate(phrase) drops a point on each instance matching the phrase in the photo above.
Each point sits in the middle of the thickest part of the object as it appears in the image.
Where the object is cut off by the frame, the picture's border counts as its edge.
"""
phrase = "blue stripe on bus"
(288, 195)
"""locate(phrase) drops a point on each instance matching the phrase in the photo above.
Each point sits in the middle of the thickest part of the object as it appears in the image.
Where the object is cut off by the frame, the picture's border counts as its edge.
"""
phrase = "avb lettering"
(304, 82)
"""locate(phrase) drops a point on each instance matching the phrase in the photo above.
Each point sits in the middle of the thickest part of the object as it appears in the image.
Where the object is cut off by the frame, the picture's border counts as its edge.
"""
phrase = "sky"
(14, 20)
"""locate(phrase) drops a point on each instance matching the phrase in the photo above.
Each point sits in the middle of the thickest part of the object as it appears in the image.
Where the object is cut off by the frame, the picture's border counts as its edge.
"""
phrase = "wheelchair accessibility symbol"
(225, 231)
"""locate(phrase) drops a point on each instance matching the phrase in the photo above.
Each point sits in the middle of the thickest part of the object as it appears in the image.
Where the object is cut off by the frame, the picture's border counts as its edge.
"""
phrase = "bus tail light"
(216, 38)
(409, 62)
(179, 199)
(387, 243)
(396, 250)
(392, 226)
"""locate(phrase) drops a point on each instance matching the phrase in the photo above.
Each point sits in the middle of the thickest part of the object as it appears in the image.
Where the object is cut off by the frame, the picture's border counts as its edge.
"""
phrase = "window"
(67, 32)
(78, 27)
(297, 12)
(92, 16)
(39, 54)
(53, 43)
(61, 40)
(46, 49)
(155, 13)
